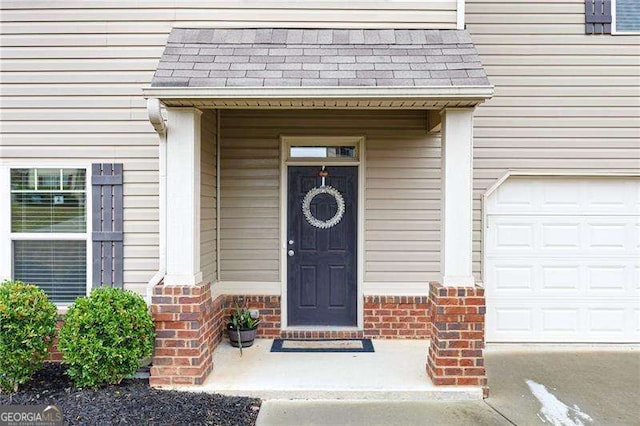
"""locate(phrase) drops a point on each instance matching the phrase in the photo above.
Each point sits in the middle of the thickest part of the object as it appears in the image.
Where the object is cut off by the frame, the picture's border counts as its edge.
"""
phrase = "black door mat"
(337, 345)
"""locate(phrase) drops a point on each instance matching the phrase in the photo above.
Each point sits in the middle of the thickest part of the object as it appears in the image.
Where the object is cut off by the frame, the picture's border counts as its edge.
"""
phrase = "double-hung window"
(48, 230)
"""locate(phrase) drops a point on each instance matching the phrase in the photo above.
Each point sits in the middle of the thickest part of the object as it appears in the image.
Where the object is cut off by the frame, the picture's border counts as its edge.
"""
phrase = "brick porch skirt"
(189, 325)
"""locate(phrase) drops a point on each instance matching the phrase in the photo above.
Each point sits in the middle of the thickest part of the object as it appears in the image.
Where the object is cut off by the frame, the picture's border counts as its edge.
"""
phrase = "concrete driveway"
(565, 386)
(530, 386)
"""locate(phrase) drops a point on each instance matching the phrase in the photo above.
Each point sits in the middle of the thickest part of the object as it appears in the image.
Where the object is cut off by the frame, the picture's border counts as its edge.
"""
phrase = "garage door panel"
(514, 236)
(562, 260)
(563, 236)
(606, 235)
(607, 194)
(606, 320)
(560, 278)
(568, 195)
(559, 235)
(513, 277)
(607, 279)
(560, 320)
(557, 277)
(544, 321)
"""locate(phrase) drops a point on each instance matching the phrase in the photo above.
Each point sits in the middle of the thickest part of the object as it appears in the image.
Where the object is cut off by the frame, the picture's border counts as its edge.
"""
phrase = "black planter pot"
(246, 337)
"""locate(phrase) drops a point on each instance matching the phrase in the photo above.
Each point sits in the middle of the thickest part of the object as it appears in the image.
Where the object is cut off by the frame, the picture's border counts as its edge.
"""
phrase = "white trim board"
(285, 142)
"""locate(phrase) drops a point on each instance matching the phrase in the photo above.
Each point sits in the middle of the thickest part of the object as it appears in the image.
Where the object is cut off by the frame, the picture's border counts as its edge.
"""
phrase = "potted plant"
(242, 328)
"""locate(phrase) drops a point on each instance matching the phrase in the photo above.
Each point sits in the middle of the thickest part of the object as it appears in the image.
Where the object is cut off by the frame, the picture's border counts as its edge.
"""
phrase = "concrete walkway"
(530, 386)
(373, 413)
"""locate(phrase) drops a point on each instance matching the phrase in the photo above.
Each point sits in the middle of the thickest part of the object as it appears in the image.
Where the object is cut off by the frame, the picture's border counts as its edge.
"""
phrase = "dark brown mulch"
(132, 402)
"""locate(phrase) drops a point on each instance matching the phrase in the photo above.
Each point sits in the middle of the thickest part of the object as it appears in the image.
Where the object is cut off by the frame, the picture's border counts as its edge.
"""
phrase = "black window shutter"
(107, 212)
(597, 16)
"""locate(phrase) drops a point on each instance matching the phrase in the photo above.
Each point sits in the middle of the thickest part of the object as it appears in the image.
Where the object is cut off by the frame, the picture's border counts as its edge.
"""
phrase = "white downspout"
(155, 117)
(218, 193)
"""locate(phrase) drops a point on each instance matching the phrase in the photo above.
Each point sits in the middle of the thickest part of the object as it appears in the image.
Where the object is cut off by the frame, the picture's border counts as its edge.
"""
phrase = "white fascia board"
(479, 93)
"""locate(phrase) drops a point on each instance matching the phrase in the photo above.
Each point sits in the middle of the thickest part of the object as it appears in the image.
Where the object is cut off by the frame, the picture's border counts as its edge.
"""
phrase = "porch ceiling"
(293, 68)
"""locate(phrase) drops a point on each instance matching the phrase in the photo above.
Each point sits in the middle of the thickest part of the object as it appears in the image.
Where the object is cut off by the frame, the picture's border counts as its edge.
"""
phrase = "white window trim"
(7, 237)
(614, 30)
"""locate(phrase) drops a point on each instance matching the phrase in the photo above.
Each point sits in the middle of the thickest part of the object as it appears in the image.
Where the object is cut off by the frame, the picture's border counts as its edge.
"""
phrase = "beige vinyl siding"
(564, 100)
(208, 196)
(72, 72)
(128, 23)
(249, 197)
(402, 190)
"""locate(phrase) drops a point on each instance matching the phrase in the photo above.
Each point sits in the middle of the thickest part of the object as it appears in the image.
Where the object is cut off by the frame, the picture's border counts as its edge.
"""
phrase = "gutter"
(155, 117)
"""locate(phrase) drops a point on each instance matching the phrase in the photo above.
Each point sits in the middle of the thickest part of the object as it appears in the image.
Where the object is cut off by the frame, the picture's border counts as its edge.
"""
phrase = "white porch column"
(183, 197)
(456, 227)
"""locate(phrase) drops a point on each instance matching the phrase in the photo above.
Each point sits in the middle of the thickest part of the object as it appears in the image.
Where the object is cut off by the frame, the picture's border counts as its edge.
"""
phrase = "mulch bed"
(132, 402)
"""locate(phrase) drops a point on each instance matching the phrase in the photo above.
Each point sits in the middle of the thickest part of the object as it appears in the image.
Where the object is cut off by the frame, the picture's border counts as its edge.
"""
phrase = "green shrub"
(105, 336)
(27, 330)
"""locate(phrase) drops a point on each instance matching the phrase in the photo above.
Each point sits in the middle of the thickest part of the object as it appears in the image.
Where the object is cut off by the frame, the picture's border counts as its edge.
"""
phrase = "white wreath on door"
(306, 207)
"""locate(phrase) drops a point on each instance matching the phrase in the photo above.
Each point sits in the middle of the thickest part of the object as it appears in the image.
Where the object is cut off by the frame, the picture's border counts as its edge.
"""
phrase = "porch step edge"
(466, 393)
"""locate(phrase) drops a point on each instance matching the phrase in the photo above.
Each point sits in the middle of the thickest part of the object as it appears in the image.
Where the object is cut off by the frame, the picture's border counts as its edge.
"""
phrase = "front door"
(321, 250)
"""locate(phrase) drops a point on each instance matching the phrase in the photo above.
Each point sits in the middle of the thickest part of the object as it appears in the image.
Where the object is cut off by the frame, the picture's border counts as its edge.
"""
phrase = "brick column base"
(188, 327)
(457, 340)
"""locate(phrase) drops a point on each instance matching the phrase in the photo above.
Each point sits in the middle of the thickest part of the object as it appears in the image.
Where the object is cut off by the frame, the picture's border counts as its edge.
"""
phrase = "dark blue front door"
(321, 270)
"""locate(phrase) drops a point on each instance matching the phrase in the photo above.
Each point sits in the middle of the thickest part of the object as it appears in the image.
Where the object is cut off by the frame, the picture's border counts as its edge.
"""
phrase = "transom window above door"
(323, 152)
(322, 149)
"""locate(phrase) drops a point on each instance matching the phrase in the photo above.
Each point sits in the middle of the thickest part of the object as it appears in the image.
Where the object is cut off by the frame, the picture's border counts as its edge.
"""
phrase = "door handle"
(291, 253)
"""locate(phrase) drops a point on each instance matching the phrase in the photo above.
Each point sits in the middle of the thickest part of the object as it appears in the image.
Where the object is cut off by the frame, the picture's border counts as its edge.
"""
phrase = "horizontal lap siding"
(402, 190)
(132, 23)
(208, 188)
(249, 185)
(64, 104)
(72, 73)
(564, 100)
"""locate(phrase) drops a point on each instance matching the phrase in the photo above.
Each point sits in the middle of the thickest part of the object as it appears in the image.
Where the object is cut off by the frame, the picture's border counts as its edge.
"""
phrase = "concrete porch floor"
(395, 371)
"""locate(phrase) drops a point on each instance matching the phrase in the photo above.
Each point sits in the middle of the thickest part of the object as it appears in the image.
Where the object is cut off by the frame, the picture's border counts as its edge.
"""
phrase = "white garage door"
(562, 260)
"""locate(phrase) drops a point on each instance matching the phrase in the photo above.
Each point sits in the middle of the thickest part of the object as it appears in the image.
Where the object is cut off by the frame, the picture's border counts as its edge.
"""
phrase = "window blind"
(627, 16)
(58, 267)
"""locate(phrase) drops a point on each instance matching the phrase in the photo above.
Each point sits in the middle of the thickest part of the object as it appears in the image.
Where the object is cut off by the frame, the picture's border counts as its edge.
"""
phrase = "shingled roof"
(320, 58)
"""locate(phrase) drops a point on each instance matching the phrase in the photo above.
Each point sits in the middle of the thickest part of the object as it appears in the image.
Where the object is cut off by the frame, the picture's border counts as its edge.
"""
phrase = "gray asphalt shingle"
(318, 57)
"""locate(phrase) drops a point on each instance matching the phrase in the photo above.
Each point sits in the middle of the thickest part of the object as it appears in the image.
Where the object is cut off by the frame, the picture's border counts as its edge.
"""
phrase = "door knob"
(291, 253)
